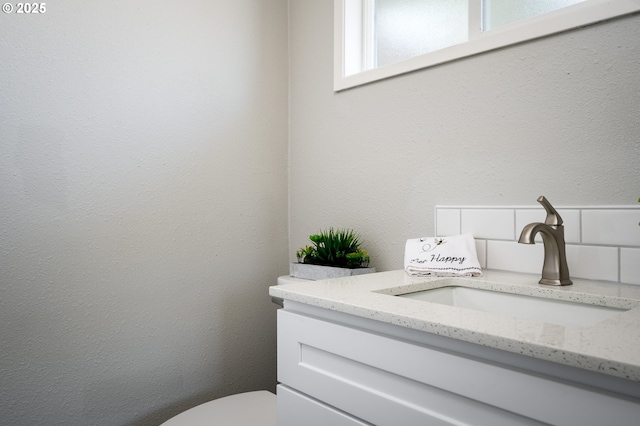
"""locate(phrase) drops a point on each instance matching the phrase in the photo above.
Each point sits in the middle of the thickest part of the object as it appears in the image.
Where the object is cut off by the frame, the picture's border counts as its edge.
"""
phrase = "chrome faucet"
(554, 270)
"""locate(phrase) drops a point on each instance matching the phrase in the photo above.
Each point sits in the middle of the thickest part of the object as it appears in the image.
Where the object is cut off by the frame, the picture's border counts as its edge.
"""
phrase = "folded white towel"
(442, 257)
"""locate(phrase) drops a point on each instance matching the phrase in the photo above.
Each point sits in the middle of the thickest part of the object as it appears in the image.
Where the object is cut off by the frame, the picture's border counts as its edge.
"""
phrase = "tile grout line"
(619, 264)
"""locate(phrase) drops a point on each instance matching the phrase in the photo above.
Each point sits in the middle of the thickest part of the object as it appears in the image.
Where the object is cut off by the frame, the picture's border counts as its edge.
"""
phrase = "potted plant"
(332, 254)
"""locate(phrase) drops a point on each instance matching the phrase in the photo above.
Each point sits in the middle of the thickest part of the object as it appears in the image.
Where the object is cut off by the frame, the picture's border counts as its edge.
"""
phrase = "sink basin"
(561, 312)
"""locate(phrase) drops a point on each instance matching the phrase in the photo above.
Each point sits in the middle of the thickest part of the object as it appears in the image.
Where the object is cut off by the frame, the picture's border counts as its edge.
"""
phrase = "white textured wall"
(558, 116)
(143, 203)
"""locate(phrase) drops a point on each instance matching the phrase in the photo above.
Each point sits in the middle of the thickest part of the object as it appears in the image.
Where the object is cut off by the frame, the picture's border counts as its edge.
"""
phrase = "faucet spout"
(554, 270)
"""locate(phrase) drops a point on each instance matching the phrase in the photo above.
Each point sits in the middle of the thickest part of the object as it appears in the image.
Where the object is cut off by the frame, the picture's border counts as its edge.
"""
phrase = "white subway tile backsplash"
(603, 242)
(481, 251)
(447, 222)
(593, 262)
(630, 265)
(611, 227)
(496, 224)
(512, 256)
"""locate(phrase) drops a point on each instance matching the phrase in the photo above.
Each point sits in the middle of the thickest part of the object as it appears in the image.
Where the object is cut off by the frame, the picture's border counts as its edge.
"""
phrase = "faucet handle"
(553, 218)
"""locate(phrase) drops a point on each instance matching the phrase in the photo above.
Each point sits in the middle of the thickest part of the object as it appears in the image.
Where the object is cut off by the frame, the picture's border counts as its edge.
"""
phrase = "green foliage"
(339, 247)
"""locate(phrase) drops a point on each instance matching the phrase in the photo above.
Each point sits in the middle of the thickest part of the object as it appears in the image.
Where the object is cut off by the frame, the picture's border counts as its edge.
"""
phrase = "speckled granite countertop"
(611, 347)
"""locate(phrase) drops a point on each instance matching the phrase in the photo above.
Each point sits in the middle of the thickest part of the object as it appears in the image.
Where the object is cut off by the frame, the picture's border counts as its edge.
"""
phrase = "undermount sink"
(561, 312)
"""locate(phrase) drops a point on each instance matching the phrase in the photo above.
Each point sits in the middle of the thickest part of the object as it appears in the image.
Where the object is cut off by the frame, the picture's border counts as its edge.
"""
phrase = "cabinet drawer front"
(357, 372)
(380, 380)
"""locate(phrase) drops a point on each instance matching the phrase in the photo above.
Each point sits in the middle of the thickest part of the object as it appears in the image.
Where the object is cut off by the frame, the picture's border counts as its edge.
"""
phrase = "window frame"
(564, 19)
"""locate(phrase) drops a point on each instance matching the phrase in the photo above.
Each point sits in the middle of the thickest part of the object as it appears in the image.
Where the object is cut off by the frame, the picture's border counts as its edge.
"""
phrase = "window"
(408, 28)
(496, 13)
(377, 39)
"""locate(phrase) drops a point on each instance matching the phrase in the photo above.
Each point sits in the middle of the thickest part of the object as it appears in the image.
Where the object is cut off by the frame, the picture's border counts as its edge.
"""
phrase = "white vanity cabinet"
(338, 369)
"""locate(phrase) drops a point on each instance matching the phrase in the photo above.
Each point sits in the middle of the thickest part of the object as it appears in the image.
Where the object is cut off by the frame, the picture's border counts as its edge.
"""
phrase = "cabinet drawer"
(387, 381)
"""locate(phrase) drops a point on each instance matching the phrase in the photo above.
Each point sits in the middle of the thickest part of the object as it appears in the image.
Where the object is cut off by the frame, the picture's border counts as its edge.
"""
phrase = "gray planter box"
(321, 272)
